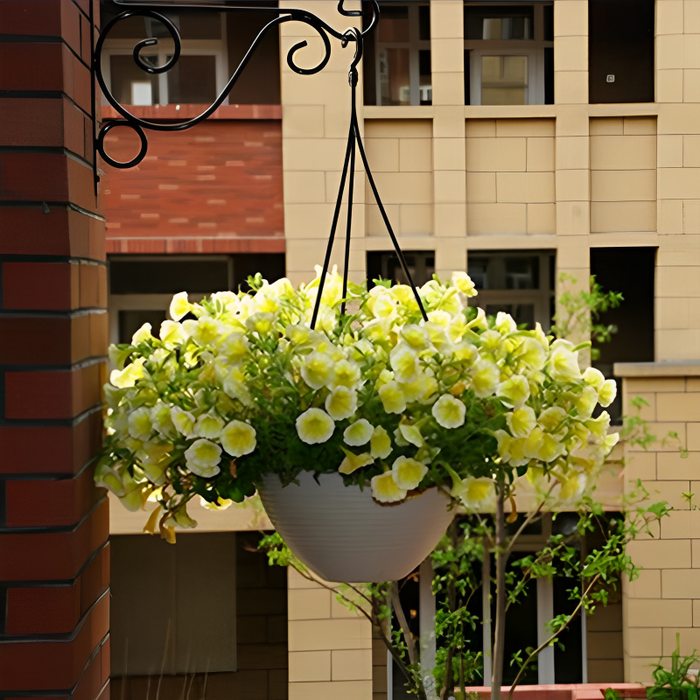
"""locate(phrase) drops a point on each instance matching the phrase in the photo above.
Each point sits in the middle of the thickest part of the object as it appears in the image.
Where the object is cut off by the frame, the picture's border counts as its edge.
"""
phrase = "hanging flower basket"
(342, 534)
(246, 395)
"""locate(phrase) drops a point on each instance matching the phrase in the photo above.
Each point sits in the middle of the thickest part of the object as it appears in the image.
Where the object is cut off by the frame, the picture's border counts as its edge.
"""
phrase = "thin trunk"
(462, 684)
(448, 682)
(500, 633)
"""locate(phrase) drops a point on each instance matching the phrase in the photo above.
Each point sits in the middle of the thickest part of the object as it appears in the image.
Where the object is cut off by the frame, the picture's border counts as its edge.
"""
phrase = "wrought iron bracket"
(154, 10)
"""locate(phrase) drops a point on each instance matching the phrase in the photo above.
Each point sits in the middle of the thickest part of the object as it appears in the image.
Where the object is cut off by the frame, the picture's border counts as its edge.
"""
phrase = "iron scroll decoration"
(324, 31)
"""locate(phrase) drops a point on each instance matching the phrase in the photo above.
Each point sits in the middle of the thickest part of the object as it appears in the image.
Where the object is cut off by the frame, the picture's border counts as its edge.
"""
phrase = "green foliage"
(675, 682)
(578, 314)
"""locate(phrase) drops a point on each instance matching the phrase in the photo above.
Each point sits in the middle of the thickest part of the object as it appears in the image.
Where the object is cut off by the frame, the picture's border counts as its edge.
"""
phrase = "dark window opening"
(520, 283)
(631, 272)
(621, 51)
(421, 265)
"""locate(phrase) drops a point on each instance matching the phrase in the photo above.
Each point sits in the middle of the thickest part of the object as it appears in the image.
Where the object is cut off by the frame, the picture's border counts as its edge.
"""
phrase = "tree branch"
(553, 637)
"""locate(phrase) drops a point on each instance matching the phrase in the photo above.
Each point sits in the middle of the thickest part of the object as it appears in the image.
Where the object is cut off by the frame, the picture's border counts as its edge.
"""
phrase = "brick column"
(54, 561)
(665, 599)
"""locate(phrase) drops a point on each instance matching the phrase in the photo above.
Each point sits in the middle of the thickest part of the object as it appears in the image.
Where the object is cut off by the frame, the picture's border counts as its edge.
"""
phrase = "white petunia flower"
(359, 433)
(408, 473)
(449, 412)
(238, 438)
(179, 306)
(314, 426)
(341, 403)
(202, 458)
(385, 489)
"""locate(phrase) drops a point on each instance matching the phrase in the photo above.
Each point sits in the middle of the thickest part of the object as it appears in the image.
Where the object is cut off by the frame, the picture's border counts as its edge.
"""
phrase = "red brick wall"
(216, 188)
(54, 557)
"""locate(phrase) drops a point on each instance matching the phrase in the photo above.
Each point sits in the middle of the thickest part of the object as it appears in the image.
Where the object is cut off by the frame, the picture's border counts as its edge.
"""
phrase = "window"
(631, 272)
(386, 265)
(621, 51)
(173, 607)
(508, 54)
(397, 61)
(198, 76)
(142, 286)
(520, 283)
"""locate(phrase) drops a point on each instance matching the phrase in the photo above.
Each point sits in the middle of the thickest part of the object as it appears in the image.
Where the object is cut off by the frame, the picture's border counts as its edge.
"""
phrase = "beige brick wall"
(563, 177)
(665, 599)
(623, 174)
(510, 176)
(330, 647)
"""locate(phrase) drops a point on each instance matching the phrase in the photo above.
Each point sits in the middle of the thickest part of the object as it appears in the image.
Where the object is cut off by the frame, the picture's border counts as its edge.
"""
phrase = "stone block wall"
(330, 647)
(663, 601)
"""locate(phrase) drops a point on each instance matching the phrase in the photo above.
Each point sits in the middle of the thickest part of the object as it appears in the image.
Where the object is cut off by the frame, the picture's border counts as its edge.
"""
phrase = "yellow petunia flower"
(180, 306)
(532, 353)
(142, 335)
(572, 487)
(202, 458)
(408, 473)
(234, 346)
(392, 397)
(346, 373)
(563, 362)
(359, 433)
(209, 426)
(204, 331)
(314, 426)
(449, 411)
(352, 462)
(416, 336)
(385, 489)
(317, 370)
(172, 332)
(594, 377)
(127, 377)
(515, 390)
(404, 363)
(380, 443)
(464, 283)
(552, 419)
(411, 434)
(341, 403)
(140, 424)
(607, 393)
(478, 495)
(182, 420)
(485, 378)
(521, 422)
(586, 401)
(238, 438)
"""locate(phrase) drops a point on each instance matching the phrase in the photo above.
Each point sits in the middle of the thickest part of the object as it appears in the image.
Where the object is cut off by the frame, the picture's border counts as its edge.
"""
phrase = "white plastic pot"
(342, 535)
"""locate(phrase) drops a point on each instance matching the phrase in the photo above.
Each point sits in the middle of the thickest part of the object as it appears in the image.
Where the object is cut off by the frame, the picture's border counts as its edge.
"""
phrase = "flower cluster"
(239, 385)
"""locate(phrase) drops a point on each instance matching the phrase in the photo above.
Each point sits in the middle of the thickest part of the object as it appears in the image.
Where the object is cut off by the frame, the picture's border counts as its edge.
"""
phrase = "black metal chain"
(355, 140)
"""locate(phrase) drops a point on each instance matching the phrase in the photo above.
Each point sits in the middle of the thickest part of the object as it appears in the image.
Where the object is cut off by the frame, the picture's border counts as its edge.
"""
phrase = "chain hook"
(353, 34)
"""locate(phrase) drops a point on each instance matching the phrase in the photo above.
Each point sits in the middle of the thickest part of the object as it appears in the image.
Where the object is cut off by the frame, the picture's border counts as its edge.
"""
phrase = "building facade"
(530, 143)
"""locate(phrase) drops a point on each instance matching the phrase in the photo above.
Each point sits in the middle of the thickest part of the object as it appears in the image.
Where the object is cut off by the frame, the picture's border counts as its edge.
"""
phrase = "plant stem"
(546, 643)
(500, 633)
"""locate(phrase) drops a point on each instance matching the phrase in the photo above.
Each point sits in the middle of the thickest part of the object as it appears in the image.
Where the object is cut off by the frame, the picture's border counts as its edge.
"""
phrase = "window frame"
(158, 301)
(533, 48)
(540, 298)
(164, 47)
(414, 45)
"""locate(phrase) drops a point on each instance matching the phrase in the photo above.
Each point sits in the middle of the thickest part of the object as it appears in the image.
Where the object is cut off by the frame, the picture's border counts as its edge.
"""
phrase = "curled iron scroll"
(136, 9)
